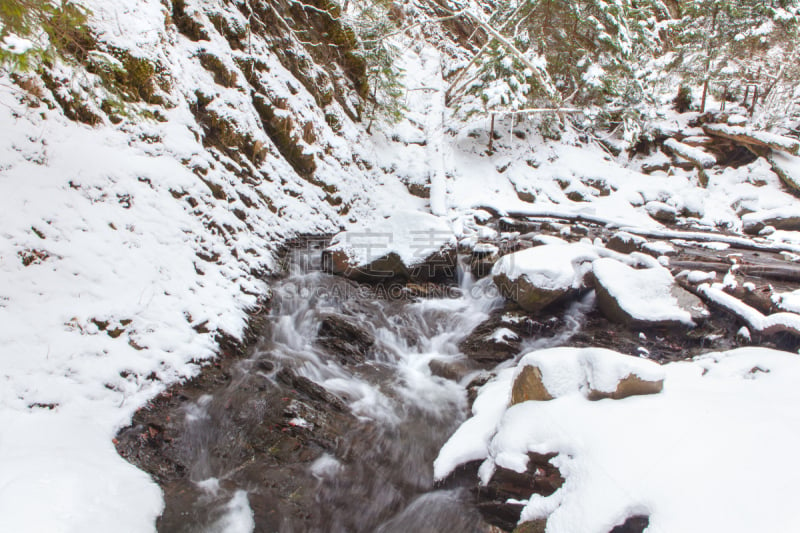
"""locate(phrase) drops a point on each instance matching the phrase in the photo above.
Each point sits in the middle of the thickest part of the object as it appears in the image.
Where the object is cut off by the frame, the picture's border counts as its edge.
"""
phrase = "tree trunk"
(705, 94)
(491, 137)
(755, 98)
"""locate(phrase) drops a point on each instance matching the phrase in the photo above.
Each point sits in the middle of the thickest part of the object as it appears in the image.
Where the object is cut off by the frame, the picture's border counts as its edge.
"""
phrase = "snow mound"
(412, 235)
(551, 266)
(726, 423)
(646, 295)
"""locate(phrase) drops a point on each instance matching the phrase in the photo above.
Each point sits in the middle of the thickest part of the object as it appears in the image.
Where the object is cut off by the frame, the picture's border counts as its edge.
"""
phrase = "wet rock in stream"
(500, 337)
(261, 434)
(499, 501)
(345, 337)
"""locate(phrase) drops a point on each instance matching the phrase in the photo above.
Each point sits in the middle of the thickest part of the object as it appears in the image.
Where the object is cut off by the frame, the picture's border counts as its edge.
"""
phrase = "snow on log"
(698, 140)
(787, 168)
(697, 156)
(756, 321)
(755, 138)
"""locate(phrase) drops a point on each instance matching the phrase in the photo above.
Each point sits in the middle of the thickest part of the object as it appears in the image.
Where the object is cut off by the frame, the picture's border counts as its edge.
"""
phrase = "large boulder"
(784, 219)
(645, 297)
(408, 245)
(541, 276)
(596, 373)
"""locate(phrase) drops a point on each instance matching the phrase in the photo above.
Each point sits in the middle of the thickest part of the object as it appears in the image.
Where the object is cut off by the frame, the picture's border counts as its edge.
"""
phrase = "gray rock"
(529, 296)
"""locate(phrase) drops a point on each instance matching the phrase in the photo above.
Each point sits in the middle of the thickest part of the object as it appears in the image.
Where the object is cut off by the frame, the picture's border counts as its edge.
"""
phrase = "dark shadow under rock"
(634, 524)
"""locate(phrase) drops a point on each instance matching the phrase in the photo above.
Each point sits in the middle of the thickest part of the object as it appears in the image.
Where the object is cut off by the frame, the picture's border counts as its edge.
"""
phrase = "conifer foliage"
(585, 50)
(31, 30)
(738, 47)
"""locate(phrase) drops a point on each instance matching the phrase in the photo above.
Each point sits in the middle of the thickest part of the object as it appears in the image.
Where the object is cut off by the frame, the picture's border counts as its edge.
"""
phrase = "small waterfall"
(379, 477)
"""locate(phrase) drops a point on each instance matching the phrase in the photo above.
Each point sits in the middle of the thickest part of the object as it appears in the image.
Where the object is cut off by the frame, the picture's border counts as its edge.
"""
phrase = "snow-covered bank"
(715, 451)
(112, 288)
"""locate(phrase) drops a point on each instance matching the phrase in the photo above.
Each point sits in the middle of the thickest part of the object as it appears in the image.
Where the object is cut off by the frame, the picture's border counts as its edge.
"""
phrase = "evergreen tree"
(373, 29)
(737, 45)
(31, 30)
(584, 49)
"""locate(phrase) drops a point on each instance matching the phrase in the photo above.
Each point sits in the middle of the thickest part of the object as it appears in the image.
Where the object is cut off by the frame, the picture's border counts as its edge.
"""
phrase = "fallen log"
(756, 138)
(698, 140)
(698, 157)
(755, 320)
(776, 272)
(787, 168)
(740, 243)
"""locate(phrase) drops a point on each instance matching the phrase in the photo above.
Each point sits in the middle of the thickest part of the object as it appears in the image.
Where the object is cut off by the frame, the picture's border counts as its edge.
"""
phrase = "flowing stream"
(374, 471)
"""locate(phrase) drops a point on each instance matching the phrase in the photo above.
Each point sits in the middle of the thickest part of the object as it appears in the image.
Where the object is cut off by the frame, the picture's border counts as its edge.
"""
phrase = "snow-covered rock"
(788, 301)
(540, 276)
(787, 218)
(787, 167)
(596, 373)
(645, 296)
(625, 243)
(408, 244)
(662, 212)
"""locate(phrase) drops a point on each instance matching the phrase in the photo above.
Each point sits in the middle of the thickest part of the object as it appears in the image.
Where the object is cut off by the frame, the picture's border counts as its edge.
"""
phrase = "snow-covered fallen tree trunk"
(741, 243)
(696, 156)
(788, 272)
(754, 138)
(787, 168)
(755, 320)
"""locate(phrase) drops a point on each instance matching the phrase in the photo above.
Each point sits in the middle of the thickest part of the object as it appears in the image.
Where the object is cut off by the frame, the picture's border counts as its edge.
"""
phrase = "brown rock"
(345, 338)
(452, 370)
(625, 243)
(439, 266)
(527, 295)
(529, 386)
(630, 385)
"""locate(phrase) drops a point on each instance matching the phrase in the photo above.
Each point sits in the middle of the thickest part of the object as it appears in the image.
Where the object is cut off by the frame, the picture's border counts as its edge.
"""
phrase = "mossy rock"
(213, 64)
(186, 24)
(280, 130)
(532, 526)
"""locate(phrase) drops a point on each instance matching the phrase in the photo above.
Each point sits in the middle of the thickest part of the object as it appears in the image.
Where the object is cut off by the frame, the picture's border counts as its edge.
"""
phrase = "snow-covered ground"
(714, 451)
(125, 249)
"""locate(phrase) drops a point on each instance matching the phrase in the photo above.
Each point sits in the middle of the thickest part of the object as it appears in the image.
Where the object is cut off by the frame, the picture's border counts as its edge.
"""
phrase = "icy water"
(381, 478)
(318, 429)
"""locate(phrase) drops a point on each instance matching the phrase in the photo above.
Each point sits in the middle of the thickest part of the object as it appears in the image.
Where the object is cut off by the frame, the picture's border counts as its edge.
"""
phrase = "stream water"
(262, 456)
(332, 419)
